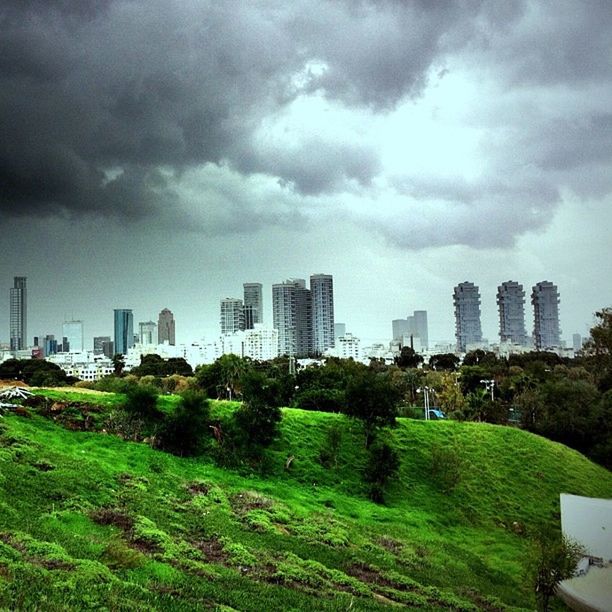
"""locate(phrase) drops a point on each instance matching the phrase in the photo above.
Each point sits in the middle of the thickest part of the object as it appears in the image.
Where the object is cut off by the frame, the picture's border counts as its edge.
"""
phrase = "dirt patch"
(213, 551)
(390, 544)
(44, 466)
(371, 575)
(113, 516)
(246, 501)
(198, 488)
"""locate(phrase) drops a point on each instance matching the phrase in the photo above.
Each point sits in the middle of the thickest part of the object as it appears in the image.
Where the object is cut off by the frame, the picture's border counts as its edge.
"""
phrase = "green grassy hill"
(90, 521)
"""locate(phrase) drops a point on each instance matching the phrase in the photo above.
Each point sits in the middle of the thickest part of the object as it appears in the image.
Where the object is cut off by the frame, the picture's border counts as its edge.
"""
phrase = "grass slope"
(90, 521)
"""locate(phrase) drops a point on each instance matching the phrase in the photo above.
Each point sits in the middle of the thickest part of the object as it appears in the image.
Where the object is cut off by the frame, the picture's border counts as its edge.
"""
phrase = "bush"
(141, 403)
(328, 455)
(383, 464)
(446, 467)
(186, 431)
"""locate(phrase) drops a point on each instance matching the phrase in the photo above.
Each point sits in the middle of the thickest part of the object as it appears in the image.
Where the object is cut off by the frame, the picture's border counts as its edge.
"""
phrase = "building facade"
(147, 333)
(468, 330)
(322, 295)
(545, 301)
(232, 316)
(292, 317)
(124, 330)
(18, 323)
(72, 336)
(253, 304)
(511, 308)
(165, 328)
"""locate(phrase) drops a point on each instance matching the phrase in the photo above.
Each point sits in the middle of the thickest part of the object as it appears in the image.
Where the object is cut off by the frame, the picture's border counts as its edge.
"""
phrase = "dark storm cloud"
(99, 99)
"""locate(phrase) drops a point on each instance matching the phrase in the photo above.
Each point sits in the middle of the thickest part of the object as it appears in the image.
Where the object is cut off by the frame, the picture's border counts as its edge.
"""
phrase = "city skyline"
(137, 172)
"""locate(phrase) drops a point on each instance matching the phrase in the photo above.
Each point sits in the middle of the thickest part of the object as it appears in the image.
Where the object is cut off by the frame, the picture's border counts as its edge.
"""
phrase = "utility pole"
(489, 386)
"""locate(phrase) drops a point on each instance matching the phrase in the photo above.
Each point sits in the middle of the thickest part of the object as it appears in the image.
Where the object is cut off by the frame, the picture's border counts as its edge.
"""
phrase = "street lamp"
(425, 391)
(489, 386)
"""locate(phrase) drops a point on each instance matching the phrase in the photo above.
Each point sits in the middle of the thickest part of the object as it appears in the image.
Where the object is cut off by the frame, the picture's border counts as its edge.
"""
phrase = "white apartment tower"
(232, 316)
(253, 305)
(147, 333)
(322, 291)
(545, 300)
(292, 317)
(466, 299)
(72, 336)
(511, 307)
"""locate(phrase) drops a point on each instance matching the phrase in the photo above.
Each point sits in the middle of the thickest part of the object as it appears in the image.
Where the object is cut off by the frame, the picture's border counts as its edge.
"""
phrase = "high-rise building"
(576, 342)
(98, 344)
(232, 316)
(165, 328)
(292, 317)
(545, 300)
(510, 304)
(253, 304)
(50, 347)
(420, 327)
(147, 333)
(72, 336)
(339, 330)
(18, 327)
(468, 330)
(322, 293)
(124, 330)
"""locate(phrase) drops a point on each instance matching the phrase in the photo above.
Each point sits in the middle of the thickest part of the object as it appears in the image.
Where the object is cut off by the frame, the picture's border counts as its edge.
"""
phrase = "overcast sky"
(159, 154)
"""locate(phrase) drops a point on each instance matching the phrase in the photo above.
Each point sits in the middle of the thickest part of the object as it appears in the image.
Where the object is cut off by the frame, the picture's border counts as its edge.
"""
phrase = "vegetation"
(89, 520)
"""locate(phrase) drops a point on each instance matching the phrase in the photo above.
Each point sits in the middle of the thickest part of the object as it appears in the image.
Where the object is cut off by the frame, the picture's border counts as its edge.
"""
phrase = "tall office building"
(232, 316)
(124, 330)
(322, 293)
(510, 304)
(468, 330)
(545, 300)
(18, 325)
(165, 328)
(253, 304)
(292, 317)
(420, 327)
(147, 333)
(72, 336)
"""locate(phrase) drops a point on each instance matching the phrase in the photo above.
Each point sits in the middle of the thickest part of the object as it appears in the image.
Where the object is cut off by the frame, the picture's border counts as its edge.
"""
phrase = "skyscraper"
(165, 327)
(99, 343)
(147, 333)
(510, 304)
(322, 293)
(292, 317)
(124, 330)
(72, 332)
(232, 316)
(18, 326)
(466, 299)
(420, 328)
(545, 300)
(253, 304)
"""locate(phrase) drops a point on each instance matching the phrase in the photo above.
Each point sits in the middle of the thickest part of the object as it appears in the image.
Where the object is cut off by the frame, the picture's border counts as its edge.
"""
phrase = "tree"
(444, 361)
(371, 398)
(408, 358)
(118, 363)
(141, 402)
(186, 430)
(598, 349)
(383, 463)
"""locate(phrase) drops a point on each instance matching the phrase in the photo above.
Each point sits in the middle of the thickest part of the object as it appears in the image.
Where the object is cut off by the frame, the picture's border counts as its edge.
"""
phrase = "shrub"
(186, 431)
(446, 467)
(141, 403)
(328, 455)
(383, 464)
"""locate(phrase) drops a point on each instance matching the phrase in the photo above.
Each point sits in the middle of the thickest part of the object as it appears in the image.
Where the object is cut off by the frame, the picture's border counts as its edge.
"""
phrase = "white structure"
(72, 333)
(347, 346)
(84, 365)
(232, 316)
(511, 307)
(322, 292)
(147, 333)
(545, 300)
(261, 343)
(466, 299)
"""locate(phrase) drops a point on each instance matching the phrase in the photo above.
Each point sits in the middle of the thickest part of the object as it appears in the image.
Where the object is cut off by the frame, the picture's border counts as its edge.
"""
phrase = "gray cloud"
(99, 99)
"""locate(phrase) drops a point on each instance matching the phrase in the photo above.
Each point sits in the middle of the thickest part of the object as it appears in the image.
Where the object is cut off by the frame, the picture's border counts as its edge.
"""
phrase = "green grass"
(90, 521)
